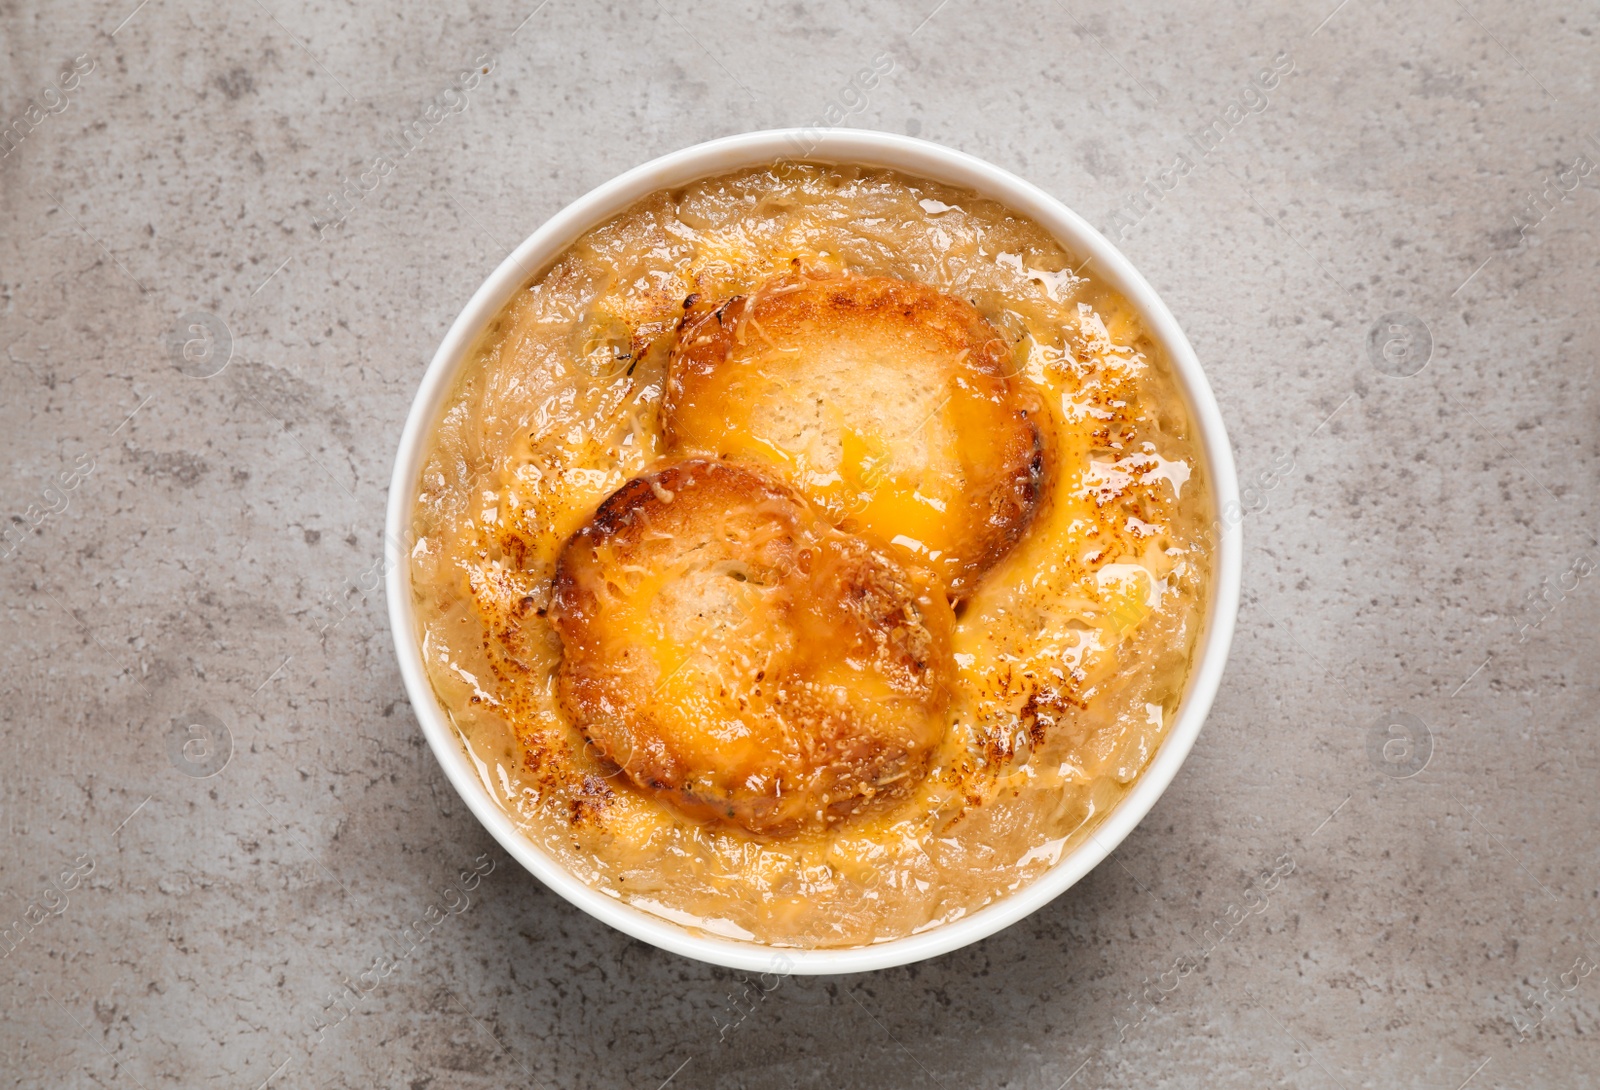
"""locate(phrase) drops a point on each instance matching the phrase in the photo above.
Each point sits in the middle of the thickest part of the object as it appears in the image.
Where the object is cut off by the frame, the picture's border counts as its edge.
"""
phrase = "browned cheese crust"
(890, 405)
(735, 654)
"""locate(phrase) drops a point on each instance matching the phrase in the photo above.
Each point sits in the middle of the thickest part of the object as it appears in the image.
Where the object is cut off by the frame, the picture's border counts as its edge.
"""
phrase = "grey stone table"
(1379, 224)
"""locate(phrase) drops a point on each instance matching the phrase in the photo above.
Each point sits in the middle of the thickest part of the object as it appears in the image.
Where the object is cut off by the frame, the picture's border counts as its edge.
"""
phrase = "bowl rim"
(838, 146)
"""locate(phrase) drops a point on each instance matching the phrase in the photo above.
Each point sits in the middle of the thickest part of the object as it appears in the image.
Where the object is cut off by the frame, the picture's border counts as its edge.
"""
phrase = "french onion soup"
(812, 555)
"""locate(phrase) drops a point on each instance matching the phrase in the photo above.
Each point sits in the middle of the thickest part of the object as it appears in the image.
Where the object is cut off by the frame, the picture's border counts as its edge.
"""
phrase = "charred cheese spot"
(887, 403)
(737, 655)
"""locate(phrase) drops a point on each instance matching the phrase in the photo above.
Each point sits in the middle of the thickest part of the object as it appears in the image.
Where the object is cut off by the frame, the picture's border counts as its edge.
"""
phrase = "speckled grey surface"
(1405, 734)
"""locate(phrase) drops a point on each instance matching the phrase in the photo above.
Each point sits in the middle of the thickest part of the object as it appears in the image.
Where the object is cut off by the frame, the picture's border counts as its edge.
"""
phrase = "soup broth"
(1070, 653)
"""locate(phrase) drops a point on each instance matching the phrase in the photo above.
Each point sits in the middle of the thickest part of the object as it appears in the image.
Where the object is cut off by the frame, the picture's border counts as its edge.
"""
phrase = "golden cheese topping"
(1069, 644)
(886, 402)
(739, 657)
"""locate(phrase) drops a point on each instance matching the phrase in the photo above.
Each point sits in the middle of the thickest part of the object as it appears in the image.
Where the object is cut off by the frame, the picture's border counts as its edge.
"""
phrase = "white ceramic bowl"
(921, 159)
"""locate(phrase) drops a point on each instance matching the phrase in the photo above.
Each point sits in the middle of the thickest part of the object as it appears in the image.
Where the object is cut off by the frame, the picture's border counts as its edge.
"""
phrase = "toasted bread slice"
(737, 655)
(887, 403)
